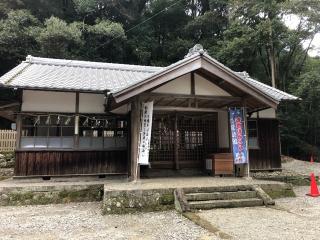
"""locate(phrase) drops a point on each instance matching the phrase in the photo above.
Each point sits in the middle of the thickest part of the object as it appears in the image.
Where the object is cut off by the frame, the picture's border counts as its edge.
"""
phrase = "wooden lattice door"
(182, 140)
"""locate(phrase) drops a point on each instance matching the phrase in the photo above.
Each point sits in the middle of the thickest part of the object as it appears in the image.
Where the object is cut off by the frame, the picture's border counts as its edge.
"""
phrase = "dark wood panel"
(267, 157)
(57, 163)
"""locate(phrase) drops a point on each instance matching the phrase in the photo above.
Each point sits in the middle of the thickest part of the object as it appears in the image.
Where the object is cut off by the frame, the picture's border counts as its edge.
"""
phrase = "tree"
(104, 40)
(59, 39)
(300, 132)
(18, 33)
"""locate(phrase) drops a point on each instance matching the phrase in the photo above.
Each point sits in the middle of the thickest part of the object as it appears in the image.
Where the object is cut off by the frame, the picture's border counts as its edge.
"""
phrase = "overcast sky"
(292, 22)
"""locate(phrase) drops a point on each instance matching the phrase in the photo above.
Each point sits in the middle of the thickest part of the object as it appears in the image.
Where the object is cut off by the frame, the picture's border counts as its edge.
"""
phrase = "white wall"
(48, 101)
(267, 113)
(223, 129)
(91, 103)
(181, 85)
(205, 87)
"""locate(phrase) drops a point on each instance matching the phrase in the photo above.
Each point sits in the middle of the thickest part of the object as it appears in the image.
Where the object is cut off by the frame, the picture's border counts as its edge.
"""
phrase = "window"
(56, 131)
(52, 131)
(253, 142)
(97, 132)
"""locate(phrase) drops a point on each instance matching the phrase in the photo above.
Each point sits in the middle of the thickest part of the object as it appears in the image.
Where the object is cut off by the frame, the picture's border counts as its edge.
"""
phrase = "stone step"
(210, 204)
(220, 195)
(231, 188)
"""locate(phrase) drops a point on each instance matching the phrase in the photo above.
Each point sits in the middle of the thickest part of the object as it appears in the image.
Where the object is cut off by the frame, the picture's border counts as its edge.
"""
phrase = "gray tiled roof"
(270, 91)
(48, 73)
(74, 75)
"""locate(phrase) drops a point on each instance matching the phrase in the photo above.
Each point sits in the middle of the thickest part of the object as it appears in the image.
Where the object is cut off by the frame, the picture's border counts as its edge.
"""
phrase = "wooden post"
(19, 120)
(247, 166)
(135, 133)
(176, 143)
(230, 144)
(19, 129)
(76, 122)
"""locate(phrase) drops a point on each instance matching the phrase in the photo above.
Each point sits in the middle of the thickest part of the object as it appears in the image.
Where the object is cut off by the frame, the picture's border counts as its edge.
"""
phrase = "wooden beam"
(187, 96)
(186, 102)
(10, 105)
(187, 109)
(157, 101)
(172, 101)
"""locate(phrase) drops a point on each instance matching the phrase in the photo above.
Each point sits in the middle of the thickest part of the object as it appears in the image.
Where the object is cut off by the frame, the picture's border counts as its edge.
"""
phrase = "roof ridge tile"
(91, 64)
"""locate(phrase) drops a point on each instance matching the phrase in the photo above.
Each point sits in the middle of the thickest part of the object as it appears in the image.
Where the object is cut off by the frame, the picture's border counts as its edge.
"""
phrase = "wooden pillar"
(76, 122)
(19, 120)
(135, 132)
(18, 129)
(176, 143)
(246, 166)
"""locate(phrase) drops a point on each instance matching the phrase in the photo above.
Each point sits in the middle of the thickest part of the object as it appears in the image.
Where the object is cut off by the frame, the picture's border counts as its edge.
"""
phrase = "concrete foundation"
(39, 195)
(121, 196)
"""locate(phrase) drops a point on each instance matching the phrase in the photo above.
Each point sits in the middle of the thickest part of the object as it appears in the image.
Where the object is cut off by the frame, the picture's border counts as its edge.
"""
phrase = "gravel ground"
(84, 221)
(301, 167)
(294, 218)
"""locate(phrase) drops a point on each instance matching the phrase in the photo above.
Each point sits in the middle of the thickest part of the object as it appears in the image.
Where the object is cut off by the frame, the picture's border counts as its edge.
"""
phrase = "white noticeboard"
(145, 133)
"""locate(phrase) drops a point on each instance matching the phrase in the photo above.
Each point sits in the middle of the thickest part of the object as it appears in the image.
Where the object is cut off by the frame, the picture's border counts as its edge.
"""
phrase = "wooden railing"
(7, 140)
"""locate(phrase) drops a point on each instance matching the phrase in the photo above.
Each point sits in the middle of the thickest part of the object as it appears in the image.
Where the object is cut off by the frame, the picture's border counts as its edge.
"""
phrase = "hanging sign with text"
(238, 134)
(145, 133)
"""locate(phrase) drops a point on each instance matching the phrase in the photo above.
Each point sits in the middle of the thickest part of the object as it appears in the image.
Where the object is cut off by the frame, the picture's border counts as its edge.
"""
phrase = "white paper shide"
(145, 133)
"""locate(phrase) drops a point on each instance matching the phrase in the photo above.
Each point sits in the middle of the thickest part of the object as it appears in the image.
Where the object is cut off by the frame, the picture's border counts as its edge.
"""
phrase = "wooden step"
(210, 204)
(221, 195)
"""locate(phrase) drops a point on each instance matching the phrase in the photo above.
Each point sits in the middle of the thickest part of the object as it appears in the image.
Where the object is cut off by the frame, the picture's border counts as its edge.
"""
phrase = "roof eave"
(125, 93)
(54, 89)
(272, 102)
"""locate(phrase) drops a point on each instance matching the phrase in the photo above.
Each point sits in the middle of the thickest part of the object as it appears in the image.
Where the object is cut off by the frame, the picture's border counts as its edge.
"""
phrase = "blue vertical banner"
(238, 134)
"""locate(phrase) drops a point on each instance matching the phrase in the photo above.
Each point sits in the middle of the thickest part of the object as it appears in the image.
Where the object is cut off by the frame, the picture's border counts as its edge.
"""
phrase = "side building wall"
(57, 137)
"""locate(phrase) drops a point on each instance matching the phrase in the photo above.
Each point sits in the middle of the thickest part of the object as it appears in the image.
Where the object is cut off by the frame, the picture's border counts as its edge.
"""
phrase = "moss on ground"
(167, 199)
(280, 193)
(4, 177)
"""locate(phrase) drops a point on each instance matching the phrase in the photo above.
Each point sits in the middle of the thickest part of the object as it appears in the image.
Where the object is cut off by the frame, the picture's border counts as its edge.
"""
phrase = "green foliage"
(107, 29)
(237, 48)
(17, 37)
(85, 6)
(301, 125)
(58, 39)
